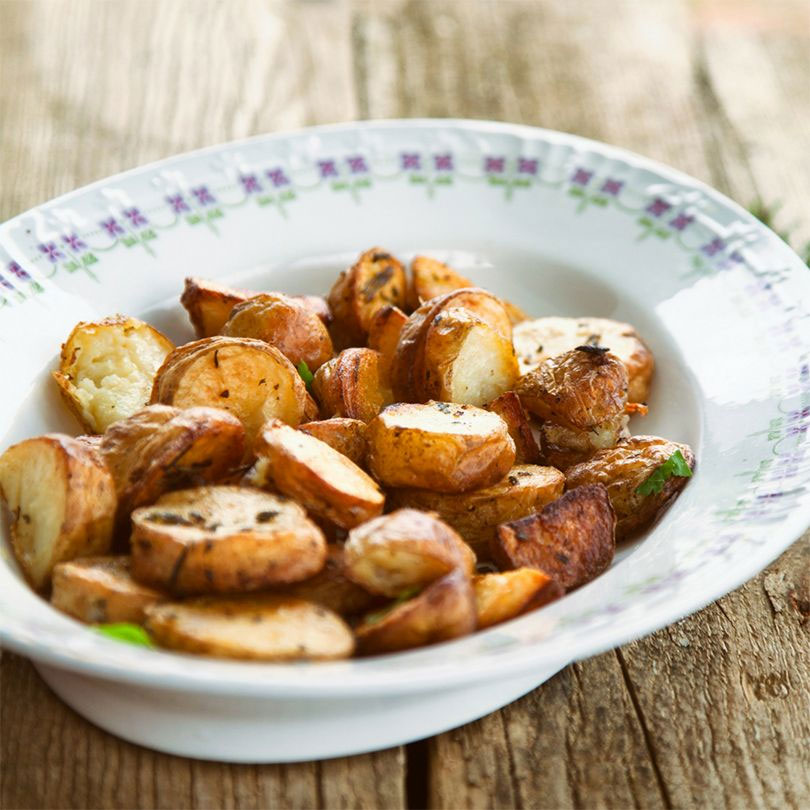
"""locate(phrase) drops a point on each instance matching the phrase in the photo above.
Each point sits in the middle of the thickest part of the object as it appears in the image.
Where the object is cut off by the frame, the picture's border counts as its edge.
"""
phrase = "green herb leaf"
(306, 375)
(379, 615)
(675, 465)
(126, 632)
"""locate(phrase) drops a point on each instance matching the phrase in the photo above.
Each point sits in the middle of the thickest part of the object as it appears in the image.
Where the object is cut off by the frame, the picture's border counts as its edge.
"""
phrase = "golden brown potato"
(376, 280)
(321, 479)
(352, 385)
(61, 500)
(475, 515)
(107, 367)
(347, 436)
(249, 378)
(443, 611)
(440, 446)
(509, 408)
(502, 596)
(161, 448)
(210, 304)
(316, 304)
(403, 550)
(261, 628)
(224, 539)
(297, 332)
(538, 340)
(383, 335)
(101, 589)
(572, 539)
(625, 467)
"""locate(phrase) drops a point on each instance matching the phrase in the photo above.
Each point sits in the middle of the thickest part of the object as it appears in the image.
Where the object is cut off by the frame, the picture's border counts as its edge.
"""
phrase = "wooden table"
(711, 712)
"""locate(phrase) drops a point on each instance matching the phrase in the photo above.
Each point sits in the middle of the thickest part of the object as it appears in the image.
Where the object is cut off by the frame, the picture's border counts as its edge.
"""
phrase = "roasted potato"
(502, 596)
(347, 436)
(161, 448)
(475, 515)
(224, 539)
(440, 446)
(383, 335)
(625, 467)
(209, 304)
(249, 378)
(317, 305)
(321, 479)
(297, 332)
(376, 280)
(107, 367)
(101, 589)
(571, 540)
(509, 408)
(443, 611)
(61, 500)
(537, 341)
(403, 550)
(262, 628)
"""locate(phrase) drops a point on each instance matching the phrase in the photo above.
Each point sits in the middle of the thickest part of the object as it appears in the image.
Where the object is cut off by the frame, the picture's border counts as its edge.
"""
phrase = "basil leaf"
(306, 375)
(126, 632)
(674, 466)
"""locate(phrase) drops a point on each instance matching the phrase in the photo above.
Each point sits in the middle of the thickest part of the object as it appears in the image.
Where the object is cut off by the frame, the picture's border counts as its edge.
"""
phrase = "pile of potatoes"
(401, 463)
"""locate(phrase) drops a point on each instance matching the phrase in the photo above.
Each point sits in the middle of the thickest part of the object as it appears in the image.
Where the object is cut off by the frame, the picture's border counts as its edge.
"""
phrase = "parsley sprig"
(675, 465)
(379, 615)
(306, 375)
(126, 632)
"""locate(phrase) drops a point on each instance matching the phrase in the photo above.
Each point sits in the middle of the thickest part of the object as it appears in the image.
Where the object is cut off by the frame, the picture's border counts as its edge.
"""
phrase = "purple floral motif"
(527, 166)
(203, 195)
(736, 256)
(658, 207)
(278, 178)
(494, 164)
(112, 227)
(18, 272)
(581, 177)
(682, 221)
(250, 183)
(327, 168)
(357, 164)
(178, 204)
(612, 187)
(443, 163)
(411, 160)
(6, 284)
(135, 217)
(51, 251)
(713, 247)
(73, 241)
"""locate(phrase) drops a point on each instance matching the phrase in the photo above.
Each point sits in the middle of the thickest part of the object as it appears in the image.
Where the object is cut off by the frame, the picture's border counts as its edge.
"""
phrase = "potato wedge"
(538, 340)
(347, 436)
(571, 540)
(352, 385)
(383, 335)
(224, 539)
(510, 409)
(101, 589)
(376, 280)
(502, 596)
(440, 446)
(403, 550)
(209, 305)
(297, 332)
(161, 448)
(622, 469)
(321, 479)
(61, 499)
(249, 378)
(475, 515)
(259, 628)
(444, 610)
(106, 369)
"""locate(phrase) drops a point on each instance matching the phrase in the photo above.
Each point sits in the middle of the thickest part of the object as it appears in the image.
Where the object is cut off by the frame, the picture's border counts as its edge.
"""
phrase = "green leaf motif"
(674, 466)
(126, 632)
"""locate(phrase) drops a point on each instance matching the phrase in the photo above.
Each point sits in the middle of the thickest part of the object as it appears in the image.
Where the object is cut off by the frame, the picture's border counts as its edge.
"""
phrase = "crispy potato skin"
(61, 499)
(321, 479)
(296, 331)
(402, 550)
(347, 436)
(439, 446)
(475, 515)
(352, 385)
(259, 628)
(101, 589)
(572, 539)
(622, 469)
(376, 280)
(383, 335)
(444, 610)
(502, 596)
(224, 539)
(509, 408)
(209, 304)
(316, 304)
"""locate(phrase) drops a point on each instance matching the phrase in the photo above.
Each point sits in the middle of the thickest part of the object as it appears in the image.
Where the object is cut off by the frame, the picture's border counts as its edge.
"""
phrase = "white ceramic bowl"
(560, 225)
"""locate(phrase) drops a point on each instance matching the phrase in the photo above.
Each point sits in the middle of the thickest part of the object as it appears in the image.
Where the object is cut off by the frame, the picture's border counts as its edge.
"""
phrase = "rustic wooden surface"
(711, 712)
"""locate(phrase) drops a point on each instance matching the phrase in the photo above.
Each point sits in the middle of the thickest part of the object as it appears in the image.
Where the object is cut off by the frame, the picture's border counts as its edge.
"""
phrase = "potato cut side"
(403, 550)
(475, 515)
(249, 378)
(261, 628)
(61, 500)
(106, 369)
(572, 539)
(383, 334)
(510, 409)
(209, 305)
(321, 479)
(101, 589)
(538, 340)
(347, 436)
(440, 446)
(224, 539)
(294, 329)
(502, 596)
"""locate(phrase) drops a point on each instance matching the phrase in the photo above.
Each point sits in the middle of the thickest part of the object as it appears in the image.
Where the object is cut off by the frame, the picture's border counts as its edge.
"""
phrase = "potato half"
(510, 409)
(209, 305)
(347, 436)
(61, 499)
(502, 596)
(107, 367)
